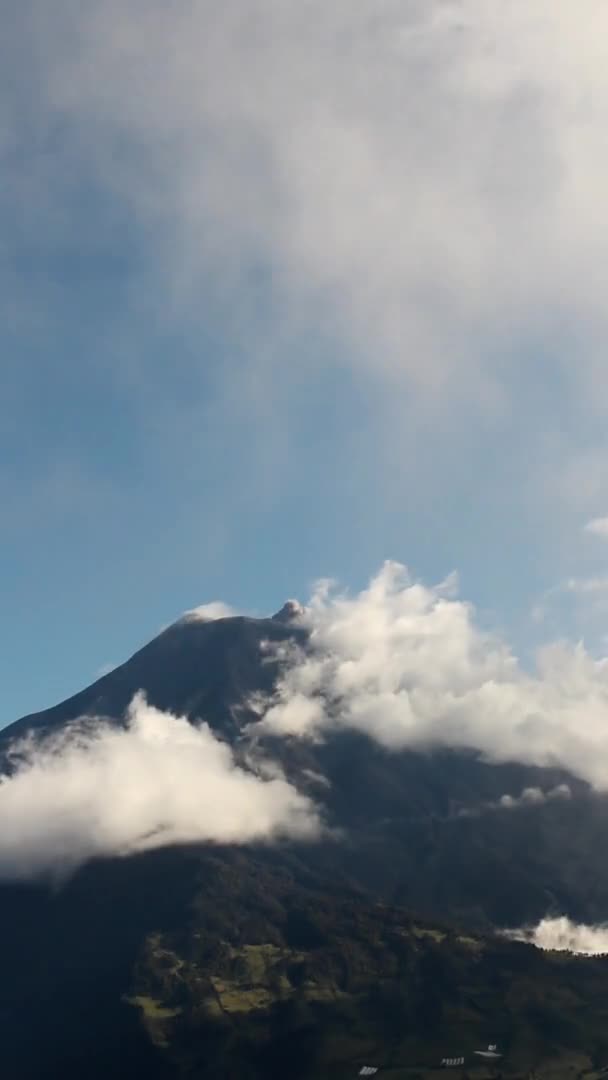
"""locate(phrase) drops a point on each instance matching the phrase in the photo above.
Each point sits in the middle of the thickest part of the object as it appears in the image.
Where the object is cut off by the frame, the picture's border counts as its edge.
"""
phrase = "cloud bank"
(428, 174)
(562, 934)
(409, 666)
(103, 790)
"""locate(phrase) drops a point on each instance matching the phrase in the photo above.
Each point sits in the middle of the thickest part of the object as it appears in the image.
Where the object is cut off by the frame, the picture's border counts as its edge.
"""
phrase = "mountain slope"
(245, 965)
(421, 829)
(198, 668)
(308, 958)
(315, 982)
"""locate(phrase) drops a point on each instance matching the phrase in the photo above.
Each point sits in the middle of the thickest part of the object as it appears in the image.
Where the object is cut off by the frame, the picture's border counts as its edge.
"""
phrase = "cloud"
(104, 669)
(216, 609)
(587, 592)
(316, 778)
(598, 527)
(379, 202)
(409, 666)
(425, 175)
(534, 796)
(530, 796)
(562, 934)
(97, 790)
(585, 586)
(576, 606)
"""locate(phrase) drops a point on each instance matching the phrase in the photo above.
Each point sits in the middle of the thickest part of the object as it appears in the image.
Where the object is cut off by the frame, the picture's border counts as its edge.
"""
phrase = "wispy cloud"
(104, 669)
(575, 607)
(598, 527)
(392, 161)
(400, 198)
(585, 586)
(215, 609)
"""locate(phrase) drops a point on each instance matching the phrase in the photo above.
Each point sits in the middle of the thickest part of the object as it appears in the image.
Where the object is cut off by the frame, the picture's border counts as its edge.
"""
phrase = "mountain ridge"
(188, 643)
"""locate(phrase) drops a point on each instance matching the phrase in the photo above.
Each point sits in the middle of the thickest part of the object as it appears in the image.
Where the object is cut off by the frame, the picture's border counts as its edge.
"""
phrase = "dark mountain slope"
(245, 965)
(309, 959)
(313, 982)
(200, 669)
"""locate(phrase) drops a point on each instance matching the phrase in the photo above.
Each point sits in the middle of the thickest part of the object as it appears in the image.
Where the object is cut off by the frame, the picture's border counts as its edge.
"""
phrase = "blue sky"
(289, 291)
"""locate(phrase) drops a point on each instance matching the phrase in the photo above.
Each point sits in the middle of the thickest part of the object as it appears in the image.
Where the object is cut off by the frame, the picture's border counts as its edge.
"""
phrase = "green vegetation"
(154, 1017)
(276, 977)
(243, 965)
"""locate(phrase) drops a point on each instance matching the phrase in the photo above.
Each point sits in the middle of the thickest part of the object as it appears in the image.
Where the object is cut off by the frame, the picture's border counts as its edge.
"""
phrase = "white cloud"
(534, 796)
(418, 185)
(215, 609)
(562, 934)
(530, 796)
(598, 527)
(430, 171)
(408, 666)
(103, 790)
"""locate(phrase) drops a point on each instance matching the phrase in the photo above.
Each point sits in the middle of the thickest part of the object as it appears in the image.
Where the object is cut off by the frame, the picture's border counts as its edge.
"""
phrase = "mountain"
(407, 834)
(308, 958)
(199, 668)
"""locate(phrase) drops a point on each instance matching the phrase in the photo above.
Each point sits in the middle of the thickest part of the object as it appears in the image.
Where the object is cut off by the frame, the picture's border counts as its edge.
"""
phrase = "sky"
(288, 290)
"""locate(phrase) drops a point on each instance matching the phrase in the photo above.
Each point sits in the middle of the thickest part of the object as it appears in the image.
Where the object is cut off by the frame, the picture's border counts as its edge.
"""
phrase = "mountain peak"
(292, 609)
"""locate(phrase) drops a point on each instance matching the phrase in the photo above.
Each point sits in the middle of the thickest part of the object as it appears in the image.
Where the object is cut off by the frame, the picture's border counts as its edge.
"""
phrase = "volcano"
(378, 940)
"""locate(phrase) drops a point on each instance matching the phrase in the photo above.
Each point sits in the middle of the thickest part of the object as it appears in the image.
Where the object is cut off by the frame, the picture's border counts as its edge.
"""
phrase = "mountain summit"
(291, 610)
(200, 668)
